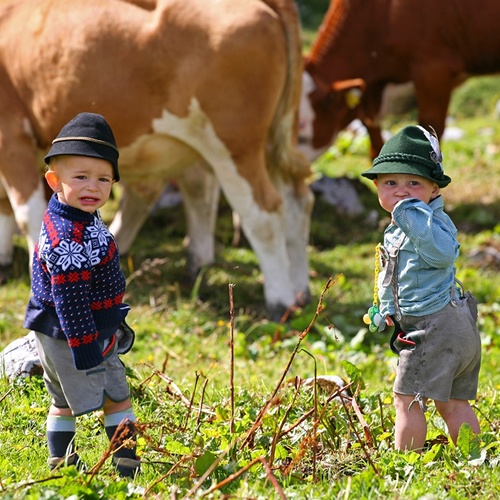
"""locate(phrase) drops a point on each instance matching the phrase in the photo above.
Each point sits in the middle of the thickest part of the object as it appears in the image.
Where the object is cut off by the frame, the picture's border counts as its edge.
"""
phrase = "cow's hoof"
(303, 298)
(278, 313)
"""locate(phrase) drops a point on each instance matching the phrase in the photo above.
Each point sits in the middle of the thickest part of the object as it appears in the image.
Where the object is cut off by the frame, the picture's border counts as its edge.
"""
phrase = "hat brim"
(388, 167)
(84, 148)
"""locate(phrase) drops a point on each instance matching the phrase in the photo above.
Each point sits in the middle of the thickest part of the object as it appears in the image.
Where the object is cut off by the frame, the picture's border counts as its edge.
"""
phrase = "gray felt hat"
(87, 134)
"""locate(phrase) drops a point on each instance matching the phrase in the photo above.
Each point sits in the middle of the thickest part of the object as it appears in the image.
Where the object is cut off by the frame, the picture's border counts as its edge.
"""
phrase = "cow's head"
(325, 110)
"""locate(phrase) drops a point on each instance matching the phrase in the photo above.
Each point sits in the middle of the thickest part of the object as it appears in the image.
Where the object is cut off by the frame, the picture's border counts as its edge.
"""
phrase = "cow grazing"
(325, 111)
(434, 45)
(203, 92)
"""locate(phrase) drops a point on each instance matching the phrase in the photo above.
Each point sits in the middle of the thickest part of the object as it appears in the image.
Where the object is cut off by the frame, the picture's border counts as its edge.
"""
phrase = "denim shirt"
(427, 255)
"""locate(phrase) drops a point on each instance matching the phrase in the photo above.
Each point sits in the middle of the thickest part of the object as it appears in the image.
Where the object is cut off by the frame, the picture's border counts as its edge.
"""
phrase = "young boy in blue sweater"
(76, 306)
(435, 326)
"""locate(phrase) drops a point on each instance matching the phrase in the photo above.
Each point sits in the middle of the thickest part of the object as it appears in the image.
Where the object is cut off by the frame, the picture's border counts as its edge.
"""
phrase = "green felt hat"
(413, 150)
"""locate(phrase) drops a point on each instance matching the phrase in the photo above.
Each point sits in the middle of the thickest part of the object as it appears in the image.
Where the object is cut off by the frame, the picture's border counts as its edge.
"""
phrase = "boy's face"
(81, 181)
(393, 188)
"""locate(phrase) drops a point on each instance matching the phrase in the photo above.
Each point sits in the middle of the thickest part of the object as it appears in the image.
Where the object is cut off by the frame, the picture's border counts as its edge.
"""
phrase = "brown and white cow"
(203, 92)
(435, 45)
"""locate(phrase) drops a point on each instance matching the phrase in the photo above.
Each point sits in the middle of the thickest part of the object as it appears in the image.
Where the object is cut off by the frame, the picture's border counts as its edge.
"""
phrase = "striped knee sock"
(111, 423)
(60, 434)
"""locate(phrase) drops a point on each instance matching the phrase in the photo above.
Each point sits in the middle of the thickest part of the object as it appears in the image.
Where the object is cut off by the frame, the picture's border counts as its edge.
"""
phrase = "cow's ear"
(53, 181)
(353, 90)
(340, 85)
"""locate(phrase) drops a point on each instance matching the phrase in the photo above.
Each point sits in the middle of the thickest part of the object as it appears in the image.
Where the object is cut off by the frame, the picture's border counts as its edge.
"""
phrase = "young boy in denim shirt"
(435, 326)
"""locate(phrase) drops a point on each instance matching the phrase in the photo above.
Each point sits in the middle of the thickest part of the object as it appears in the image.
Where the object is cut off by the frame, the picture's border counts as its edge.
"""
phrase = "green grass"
(183, 349)
(266, 438)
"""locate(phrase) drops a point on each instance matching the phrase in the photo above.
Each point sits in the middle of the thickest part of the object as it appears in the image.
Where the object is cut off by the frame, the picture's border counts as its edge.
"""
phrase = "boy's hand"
(88, 356)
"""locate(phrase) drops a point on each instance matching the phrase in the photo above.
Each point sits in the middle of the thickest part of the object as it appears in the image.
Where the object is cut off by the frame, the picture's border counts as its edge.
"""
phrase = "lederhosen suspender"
(391, 275)
(391, 278)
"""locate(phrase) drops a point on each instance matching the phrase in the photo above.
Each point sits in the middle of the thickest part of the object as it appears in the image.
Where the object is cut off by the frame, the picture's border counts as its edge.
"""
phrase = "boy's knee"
(406, 403)
(114, 407)
(402, 402)
(60, 412)
(398, 399)
(446, 408)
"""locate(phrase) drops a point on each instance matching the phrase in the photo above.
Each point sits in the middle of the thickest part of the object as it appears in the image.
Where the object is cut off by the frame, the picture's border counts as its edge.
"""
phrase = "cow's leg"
(370, 112)
(28, 216)
(433, 90)
(21, 179)
(258, 203)
(261, 210)
(298, 204)
(265, 232)
(136, 204)
(200, 193)
(376, 140)
(265, 227)
(8, 228)
(279, 238)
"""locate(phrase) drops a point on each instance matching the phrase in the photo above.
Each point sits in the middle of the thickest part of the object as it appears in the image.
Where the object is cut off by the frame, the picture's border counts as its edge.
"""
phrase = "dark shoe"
(127, 467)
(72, 460)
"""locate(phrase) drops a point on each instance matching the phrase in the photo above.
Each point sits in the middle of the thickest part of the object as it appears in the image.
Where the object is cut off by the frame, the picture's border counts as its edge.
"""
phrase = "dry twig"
(302, 336)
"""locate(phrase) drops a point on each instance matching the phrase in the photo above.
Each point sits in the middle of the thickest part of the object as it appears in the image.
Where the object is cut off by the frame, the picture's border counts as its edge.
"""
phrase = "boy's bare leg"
(411, 426)
(60, 412)
(456, 412)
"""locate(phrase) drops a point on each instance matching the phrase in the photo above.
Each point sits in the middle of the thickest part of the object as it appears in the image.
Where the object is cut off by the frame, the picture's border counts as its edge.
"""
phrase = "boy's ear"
(53, 181)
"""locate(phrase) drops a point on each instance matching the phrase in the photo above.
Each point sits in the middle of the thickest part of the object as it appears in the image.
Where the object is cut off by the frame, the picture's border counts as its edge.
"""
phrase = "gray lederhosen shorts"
(446, 359)
(82, 391)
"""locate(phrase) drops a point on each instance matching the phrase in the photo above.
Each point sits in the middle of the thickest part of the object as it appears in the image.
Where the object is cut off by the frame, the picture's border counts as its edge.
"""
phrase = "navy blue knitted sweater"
(77, 283)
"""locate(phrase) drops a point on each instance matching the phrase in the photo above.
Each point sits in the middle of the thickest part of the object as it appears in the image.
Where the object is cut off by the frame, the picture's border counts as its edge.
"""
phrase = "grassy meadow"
(224, 405)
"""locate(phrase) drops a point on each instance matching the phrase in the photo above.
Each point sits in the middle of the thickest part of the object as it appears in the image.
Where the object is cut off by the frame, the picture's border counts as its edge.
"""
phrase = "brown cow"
(434, 44)
(203, 92)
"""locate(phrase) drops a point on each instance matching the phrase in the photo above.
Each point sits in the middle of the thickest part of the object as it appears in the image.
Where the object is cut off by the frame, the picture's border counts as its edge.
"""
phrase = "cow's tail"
(282, 151)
